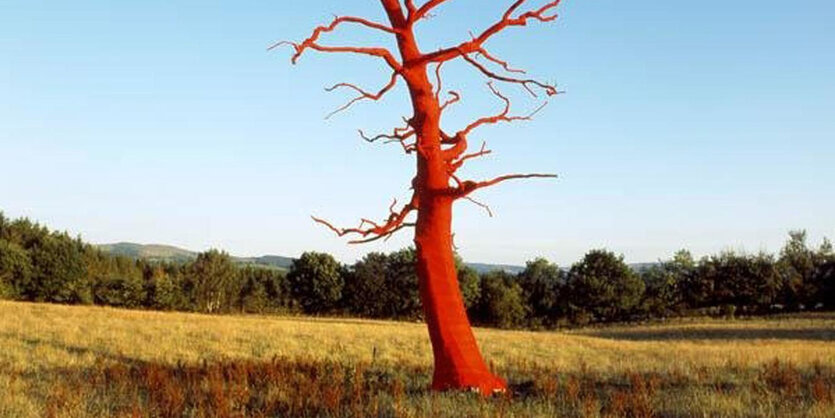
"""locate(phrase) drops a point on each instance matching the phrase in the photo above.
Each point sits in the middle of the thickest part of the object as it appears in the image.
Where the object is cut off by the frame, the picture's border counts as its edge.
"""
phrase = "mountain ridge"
(170, 253)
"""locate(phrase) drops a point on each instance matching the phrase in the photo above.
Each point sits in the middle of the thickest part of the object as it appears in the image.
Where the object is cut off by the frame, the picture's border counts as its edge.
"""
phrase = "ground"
(91, 361)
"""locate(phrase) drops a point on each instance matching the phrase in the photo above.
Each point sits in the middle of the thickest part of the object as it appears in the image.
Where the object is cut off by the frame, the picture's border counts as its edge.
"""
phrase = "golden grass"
(36, 339)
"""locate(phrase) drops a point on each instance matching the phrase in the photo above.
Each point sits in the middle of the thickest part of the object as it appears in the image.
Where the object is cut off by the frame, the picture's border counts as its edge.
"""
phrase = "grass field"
(90, 361)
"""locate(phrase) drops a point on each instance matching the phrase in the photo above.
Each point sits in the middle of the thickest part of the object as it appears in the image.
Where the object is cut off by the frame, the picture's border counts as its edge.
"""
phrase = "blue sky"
(706, 125)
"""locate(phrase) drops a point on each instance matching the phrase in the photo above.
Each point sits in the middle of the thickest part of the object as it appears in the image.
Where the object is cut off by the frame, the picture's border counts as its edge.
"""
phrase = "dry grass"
(89, 361)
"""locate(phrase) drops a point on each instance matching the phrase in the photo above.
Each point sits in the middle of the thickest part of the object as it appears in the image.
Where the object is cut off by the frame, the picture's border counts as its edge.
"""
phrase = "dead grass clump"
(636, 400)
(224, 389)
(781, 378)
(298, 387)
(821, 385)
(821, 390)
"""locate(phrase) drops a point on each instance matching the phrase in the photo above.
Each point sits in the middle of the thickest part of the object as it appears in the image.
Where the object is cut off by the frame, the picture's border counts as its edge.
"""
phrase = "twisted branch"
(482, 205)
(454, 98)
(467, 187)
(363, 95)
(501, 116)
(375, 231)
(455, 165)
(312, 42)
(549, 89)
(398, 134)
(416, 14)
(483, 52)
(506, 21)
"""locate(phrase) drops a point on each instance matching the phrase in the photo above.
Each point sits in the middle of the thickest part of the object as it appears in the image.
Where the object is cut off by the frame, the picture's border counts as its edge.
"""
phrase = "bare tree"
(436, 185)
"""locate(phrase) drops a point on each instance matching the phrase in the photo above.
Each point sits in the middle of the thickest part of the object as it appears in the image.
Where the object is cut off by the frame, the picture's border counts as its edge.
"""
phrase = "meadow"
(71, 361)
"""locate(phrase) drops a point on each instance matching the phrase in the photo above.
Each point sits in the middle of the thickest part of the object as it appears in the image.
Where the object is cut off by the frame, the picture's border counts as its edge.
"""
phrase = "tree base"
(485, 383)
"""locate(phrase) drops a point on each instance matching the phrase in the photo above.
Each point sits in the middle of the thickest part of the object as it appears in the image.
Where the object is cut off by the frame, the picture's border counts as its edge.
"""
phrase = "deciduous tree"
(316, 280)
(541, 282)
(212, 283)
(602, 284)
(15, 270)
(501, 302)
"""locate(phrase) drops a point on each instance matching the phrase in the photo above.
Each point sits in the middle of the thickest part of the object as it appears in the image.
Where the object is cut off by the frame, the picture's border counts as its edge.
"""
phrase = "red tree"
(458, 362)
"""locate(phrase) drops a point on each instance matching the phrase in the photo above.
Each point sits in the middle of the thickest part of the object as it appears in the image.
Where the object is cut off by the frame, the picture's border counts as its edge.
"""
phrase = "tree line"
(40, 265)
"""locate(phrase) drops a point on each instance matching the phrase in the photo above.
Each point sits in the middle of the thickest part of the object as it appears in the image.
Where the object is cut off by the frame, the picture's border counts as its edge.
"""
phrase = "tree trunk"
(458, 362)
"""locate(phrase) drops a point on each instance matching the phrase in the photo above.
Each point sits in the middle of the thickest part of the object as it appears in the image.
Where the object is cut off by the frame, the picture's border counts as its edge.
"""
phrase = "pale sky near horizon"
(702, 125)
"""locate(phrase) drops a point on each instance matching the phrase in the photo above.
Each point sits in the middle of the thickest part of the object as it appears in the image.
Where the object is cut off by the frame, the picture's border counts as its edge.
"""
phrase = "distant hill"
(276, 261)
(485, 267)
(639, 267)
(169, 253)
(154, 252)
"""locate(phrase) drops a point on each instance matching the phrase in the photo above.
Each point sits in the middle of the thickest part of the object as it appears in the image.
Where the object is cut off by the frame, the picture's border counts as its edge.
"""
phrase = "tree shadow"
(76, 350)
(351, 321)
(667, 334)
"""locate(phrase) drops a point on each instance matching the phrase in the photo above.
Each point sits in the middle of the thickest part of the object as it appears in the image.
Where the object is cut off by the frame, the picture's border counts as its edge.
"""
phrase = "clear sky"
(707, 125)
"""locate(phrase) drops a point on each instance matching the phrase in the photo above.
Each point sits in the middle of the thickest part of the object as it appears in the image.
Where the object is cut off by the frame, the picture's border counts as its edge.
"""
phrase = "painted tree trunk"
(458, 362)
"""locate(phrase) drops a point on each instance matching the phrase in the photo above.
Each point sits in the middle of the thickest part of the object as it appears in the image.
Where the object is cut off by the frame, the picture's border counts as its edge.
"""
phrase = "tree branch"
(468, 186)
(454, 98)
(375, 231)
(550, 90)
(482, 205)
(483, 52)
(507, 21)
(398, 134)
(312, 42)
(384, 237)
(438, 81)
(455, 165)
(410, 7)
(423, 11)
(500, 117)
(389, 137)
(363, 95)
(408, 148)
